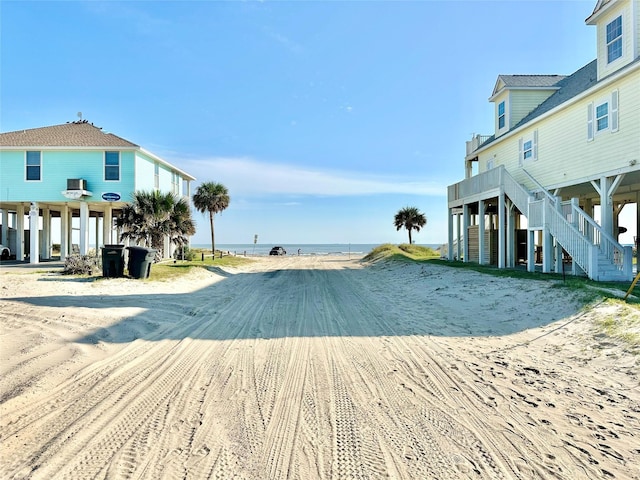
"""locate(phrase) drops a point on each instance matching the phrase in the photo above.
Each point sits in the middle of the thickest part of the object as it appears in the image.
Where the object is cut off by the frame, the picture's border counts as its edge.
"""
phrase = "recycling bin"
(113, 261)
(140, 260)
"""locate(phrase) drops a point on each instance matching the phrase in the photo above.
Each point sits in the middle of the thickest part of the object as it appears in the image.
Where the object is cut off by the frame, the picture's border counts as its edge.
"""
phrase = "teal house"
(66, 183)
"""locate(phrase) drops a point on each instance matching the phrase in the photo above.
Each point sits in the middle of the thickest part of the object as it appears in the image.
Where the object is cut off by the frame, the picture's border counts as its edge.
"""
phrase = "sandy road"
(305, 368)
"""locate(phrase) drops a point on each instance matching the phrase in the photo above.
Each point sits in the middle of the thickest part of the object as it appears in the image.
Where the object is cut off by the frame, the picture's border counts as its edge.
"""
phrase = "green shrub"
(185, 253)
(81, 265)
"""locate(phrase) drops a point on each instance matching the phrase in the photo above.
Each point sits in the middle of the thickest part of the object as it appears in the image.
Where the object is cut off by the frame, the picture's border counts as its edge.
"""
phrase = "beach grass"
(589, 290)
(174, 268)
(624, 325)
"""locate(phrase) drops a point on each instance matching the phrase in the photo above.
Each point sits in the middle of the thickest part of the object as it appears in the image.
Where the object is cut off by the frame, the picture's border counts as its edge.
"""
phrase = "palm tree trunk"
(409, 236)
(213, 243)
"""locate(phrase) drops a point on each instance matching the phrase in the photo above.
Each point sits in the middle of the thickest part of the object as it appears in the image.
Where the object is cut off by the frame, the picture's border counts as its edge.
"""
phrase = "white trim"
(104, 167)
(40, 166)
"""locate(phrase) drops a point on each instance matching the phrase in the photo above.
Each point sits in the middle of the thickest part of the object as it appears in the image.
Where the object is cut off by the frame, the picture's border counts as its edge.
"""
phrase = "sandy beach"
(312, 368)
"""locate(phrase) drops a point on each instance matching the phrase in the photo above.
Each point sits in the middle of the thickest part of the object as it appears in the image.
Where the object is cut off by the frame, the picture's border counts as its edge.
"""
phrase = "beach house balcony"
(493, 201)
(475, 142)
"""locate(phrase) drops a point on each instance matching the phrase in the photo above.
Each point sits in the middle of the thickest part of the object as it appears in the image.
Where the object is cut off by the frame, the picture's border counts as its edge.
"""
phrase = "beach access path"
(313, 367)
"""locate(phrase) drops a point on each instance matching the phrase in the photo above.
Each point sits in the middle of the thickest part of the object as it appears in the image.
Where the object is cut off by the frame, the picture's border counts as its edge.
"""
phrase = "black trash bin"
(140, 260)
(113, 261)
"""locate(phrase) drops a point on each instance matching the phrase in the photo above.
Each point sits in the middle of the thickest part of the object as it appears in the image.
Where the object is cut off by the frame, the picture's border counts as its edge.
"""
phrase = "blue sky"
(323, 119)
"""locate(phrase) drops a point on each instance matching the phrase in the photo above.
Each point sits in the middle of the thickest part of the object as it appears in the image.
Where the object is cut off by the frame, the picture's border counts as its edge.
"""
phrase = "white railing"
(582, 251)
(616, 254)
(480, 183)
(536, 214)
(475, 142)
(517, 193)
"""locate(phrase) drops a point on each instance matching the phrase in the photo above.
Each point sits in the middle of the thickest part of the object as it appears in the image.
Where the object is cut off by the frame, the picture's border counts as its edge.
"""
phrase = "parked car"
(278, 251)
(5, 252)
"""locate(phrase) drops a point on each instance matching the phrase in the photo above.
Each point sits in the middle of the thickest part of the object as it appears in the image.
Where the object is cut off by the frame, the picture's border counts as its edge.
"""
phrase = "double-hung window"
(528, 148)
(614, 40)
(602, 115)
(501, 116)
(112, 166)
(156, 176)
(33, 165)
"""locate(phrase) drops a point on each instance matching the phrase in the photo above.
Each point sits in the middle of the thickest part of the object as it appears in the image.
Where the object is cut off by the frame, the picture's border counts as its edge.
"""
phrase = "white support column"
(450, 235)
(107, 231)
(84, 228)
(459, 242)
(46, 233)
(501, 231)
(481, 257)
(4, 240)
(465, 226)
(65, 241)
(97, 234)
(547, 241)
(531, 250)
(20, 233)
(34, 240)
(511, 221)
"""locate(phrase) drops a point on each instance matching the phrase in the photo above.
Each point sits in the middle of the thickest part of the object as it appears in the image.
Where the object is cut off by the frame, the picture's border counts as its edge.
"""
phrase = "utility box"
(113, 261)
(76, 184)
(140, 260)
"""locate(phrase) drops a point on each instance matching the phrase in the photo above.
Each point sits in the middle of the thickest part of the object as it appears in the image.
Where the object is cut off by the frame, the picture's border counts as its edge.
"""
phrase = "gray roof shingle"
(74, 134)
(540, 81)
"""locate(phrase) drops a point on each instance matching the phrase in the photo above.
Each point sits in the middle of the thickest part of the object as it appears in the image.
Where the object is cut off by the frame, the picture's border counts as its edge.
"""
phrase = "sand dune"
(311, 368)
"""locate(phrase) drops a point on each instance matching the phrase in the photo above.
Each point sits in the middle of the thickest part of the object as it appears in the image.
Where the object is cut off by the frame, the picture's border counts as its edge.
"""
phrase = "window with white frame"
(112, 166)
(175, 178)
(156, 176)
(614, 40)
(528, 148)
(33, 166)
(602, 115)
(501, 116)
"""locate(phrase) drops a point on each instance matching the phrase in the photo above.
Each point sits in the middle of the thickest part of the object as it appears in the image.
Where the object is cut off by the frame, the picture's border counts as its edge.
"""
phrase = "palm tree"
(151, 216)
(410, 218)
(213, 198)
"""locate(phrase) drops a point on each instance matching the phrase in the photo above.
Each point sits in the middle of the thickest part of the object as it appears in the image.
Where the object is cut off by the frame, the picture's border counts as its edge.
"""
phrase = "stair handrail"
(515, 191)
(553, 198)
(582, 251)
(608, 245)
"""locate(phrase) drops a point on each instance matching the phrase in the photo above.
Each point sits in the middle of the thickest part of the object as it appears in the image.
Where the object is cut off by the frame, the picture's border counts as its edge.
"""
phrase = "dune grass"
(172, 269)
(623, 325)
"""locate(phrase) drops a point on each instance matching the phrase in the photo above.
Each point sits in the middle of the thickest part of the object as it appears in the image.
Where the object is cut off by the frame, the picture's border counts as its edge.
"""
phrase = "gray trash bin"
(113, 261)
(140, 260)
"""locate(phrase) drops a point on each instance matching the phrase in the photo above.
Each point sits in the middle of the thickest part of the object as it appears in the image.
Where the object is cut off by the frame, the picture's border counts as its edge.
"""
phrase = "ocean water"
(292, 249)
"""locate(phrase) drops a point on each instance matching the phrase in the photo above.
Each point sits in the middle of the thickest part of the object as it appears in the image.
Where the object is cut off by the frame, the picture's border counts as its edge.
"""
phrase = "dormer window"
(614, 40)
(501, 116)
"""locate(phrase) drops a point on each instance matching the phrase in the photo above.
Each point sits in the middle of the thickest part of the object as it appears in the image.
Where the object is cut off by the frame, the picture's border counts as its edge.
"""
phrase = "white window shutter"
(535, 145)
(614, 111)
(520, 152)
(590, 122)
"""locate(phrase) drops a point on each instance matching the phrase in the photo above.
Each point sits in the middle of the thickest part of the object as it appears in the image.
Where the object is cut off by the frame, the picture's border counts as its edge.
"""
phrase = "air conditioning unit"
(76, 184)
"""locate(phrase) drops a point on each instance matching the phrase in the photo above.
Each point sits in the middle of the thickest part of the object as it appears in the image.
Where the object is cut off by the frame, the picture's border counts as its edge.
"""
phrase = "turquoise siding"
(56, 167)
(144, 173)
